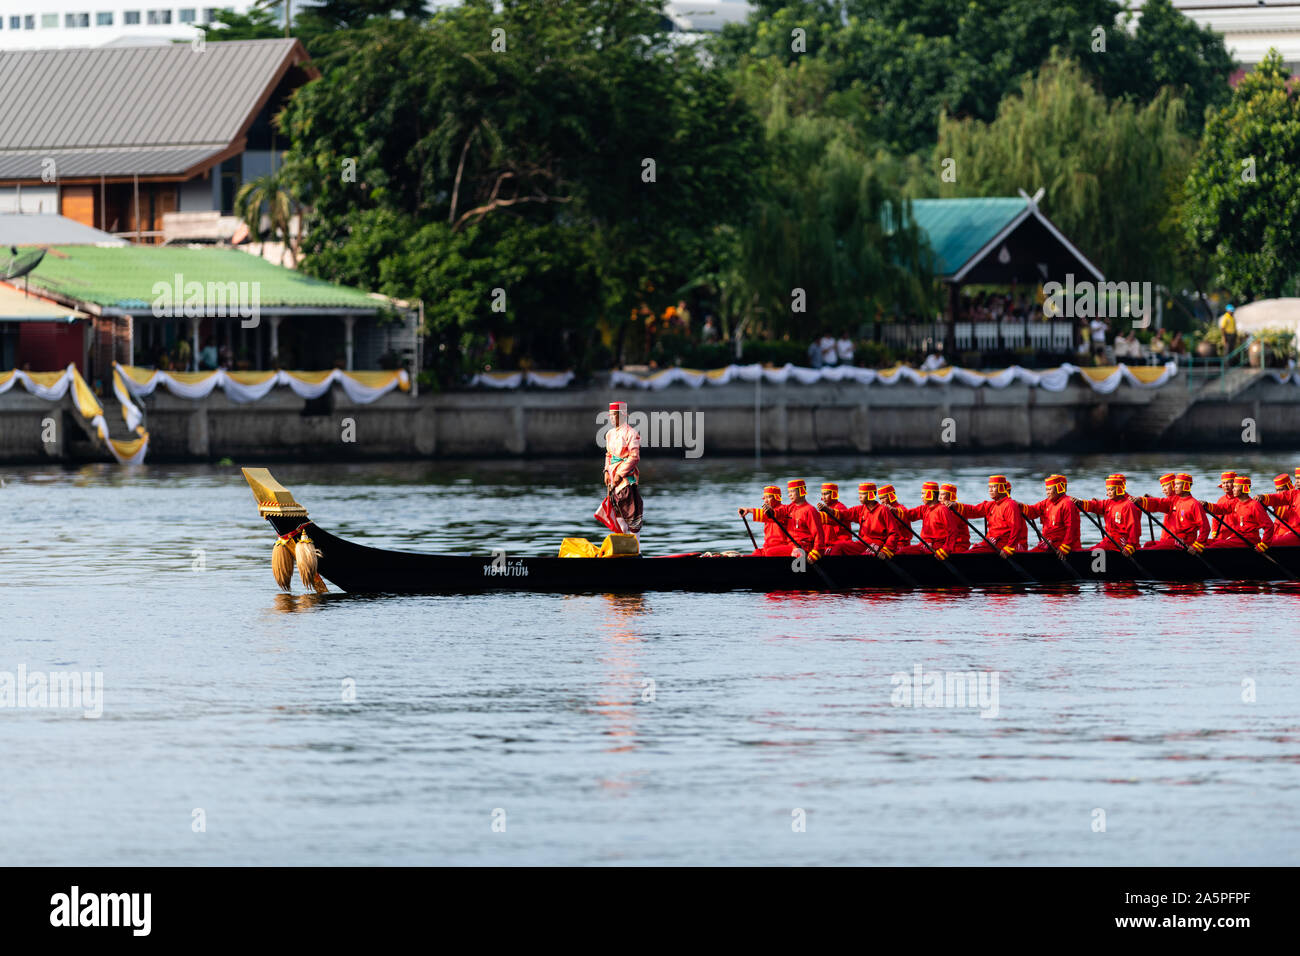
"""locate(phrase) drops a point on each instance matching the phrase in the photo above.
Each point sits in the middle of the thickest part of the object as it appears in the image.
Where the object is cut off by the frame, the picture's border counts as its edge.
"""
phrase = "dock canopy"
(998, 241)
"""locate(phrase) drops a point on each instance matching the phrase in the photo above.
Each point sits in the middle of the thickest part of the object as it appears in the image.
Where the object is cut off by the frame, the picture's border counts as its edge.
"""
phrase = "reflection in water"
(623, 688)
(293, 603)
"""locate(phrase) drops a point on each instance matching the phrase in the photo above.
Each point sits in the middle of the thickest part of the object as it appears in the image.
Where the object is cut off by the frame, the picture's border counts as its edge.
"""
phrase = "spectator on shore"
(208, 355)
(814, 354)
(1097, 330)
(709, 333)
(844, 348)
(1228, 326)
(827, 345)
(1178, 346)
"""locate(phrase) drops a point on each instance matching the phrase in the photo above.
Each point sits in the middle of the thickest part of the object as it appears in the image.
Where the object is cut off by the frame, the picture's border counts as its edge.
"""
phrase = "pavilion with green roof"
(145, 299)
(999, 241)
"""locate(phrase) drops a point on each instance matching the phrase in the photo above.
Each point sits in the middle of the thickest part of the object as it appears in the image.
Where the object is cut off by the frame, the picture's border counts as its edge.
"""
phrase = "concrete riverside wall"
(826, 417)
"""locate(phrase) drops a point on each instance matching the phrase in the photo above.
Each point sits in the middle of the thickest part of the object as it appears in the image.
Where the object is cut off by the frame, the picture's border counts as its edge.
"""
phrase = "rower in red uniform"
(1059, 516)
(1004, 523)
(947, 493)
(802, 520)
(834, 530)
(858, 513)
(775, 542)
(887, 523)
(1244, 514)
(1227, 501)
(1163, 504)
(1123, 521)
(1286, 503)
(1186, 522)
(938, 524)
(1159, 505)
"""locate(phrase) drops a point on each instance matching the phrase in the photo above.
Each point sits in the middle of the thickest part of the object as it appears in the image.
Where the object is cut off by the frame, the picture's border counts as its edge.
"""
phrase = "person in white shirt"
(844, 347)
(827, 345)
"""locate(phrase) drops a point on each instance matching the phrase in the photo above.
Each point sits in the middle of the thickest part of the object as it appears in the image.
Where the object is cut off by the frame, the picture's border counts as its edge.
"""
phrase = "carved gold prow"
(272, 497)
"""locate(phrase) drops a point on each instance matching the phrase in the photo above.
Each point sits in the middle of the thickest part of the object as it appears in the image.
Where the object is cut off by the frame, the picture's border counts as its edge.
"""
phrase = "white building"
(53, 24)
(1250, 27)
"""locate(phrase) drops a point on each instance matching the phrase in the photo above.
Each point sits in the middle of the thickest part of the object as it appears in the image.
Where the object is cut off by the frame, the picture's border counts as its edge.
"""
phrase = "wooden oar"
(876, 553)
(1181, 543)
(745, 518)
(996, 550)
(1252, 544)
(1109, 537)
(1055, 550)
(816, 566)
(961, 578)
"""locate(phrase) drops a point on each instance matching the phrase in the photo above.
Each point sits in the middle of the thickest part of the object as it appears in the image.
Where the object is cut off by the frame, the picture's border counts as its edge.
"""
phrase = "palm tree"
(268, 196)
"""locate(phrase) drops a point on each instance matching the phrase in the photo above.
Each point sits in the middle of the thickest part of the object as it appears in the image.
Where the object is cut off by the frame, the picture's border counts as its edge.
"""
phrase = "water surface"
(224, 696)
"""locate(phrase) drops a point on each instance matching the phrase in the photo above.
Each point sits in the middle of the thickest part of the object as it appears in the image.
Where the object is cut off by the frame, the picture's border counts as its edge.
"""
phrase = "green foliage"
(1243, 192)
(1108, 167)
(520, 170)
(823, 219)
(268, 196)
(261, 22)
(909, 61)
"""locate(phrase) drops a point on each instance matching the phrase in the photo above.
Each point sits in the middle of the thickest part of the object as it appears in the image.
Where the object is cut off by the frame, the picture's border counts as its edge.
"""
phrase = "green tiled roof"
(123, 277)
(959, 228)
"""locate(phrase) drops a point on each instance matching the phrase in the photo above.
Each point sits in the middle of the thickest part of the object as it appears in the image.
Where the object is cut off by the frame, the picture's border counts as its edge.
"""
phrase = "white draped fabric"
(244, 387)
(1054, 380)
(53, 386)
(515, 379)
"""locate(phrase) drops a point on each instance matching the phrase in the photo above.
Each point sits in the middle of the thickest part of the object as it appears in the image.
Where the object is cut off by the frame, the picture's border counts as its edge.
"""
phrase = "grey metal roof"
(108, 98)
(22, 229)
(143, 161)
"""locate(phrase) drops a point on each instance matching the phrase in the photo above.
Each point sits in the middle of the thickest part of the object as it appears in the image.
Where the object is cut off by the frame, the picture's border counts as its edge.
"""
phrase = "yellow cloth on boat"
(578, 548)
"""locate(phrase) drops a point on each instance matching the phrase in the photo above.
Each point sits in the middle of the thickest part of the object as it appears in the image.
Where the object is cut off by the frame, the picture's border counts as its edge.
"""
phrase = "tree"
(472, 136)
(1108, 167)
(261, 22)
(829, 240)
(269, 196)
(1243, 192)
(911, 60)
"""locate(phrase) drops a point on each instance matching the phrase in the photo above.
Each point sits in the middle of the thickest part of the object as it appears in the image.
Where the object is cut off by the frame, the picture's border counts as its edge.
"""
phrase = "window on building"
(186, 14)
(75, 21)
(29, 22)
(159, 17)
(131, 17)
(104, 19)
(210, 14)
(15, 23)
(49, 21)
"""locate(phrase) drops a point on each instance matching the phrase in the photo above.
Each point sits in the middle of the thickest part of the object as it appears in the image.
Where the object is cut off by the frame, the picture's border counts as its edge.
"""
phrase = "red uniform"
(938, 528)
(1287, 505)
(804, 523)
(1186, 519)
(1226, 503)
(773, 537)
(1246, 515)
(1123, 521)
(832, 532)
(1060, 522)
(1006, 523)
(875, 525)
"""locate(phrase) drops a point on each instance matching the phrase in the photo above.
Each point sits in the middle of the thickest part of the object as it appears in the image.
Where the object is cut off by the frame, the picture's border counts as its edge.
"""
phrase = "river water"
(1150, 724)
